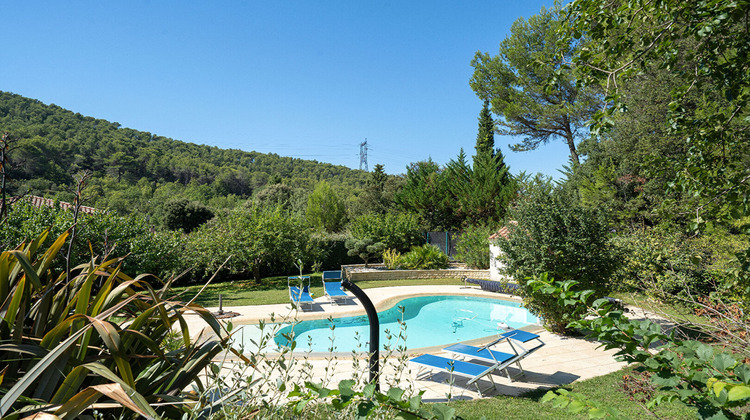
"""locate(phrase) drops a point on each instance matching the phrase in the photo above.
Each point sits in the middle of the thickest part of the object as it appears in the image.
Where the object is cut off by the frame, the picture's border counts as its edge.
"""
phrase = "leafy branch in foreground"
(695, 373)
(369, 401)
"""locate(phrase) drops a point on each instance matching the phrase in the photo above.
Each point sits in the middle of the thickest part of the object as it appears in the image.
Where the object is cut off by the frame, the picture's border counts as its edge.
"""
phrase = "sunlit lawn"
(606, 389)
(274, 290)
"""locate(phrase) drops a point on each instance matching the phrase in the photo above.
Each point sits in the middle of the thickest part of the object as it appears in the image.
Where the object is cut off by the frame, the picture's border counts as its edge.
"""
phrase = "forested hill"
(131, 167)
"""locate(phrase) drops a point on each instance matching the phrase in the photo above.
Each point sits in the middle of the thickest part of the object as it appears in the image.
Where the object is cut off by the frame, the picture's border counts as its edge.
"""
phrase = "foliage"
(424, 257)
(473, 247)
(427, 193)
(486, 134)
(281, 195)
(513, 82)
(369, 402)
(96, 337)
(377, 196)
(551, 232)
(696, 373)
(185, 215)
(399, 231)
(366, 248)
(556, 303)
(392, 259)
(668, 264)
(482, 191)
(325, 211)
(256, 240)
(137, 171)
(149, 250)
(703, 47)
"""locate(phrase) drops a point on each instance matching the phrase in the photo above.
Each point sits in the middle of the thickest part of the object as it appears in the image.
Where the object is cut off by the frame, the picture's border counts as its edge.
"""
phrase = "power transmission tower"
(363, 156)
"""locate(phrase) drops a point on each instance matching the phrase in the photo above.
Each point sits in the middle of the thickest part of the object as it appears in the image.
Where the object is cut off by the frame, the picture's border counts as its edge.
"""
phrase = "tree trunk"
(256, 272)
(572, 146)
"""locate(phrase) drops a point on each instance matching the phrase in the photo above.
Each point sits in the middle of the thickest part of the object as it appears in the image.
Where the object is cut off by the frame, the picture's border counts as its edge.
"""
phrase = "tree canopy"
(515, 81)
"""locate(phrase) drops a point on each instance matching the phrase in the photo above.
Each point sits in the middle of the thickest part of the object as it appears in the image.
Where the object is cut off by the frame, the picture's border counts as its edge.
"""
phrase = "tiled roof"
(38, 202)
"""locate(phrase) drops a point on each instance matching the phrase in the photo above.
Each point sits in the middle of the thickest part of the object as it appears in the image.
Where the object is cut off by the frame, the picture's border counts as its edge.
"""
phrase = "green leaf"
(723, 361)
(738, 392)
(597, 413)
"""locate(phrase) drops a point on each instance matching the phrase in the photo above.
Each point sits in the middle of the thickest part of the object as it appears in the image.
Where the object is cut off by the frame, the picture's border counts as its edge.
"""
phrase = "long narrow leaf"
(40, 367)
(111, 339)
(36, 371)
(28, 269)
(137, 398)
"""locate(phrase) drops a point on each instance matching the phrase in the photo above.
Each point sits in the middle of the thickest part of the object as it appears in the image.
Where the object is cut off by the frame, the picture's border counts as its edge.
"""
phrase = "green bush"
(185, 215)
(150, 251)
(553, 233)
(473, 247)
(668, 264)
(366, 249)
(424, 257)
(99, 339)
(398, 231)
(260, 241)
(328, 249)
(391, 259)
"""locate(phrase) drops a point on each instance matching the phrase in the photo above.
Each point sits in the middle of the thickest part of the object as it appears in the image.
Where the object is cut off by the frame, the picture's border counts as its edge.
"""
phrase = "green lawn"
(603, 389)
(274, 290)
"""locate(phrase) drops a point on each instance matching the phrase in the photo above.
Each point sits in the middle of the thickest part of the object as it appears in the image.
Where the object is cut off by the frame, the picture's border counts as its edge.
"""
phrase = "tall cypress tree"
(486, 135)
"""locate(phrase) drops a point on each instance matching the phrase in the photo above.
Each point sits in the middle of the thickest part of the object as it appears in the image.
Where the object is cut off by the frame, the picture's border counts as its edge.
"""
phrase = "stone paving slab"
(561, 361)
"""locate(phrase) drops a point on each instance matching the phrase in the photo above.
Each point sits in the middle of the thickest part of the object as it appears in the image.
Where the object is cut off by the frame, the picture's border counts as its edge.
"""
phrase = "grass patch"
(607, 389)
(273, 290)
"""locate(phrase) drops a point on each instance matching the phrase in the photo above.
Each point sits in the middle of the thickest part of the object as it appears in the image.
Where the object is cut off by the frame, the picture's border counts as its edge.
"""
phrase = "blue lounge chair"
(519, 351)
(333, 289)
(300, 294)
(473, 371)
(493, 285)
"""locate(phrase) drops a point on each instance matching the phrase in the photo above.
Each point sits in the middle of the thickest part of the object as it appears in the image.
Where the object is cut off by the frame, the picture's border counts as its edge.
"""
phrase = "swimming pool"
(429, 321)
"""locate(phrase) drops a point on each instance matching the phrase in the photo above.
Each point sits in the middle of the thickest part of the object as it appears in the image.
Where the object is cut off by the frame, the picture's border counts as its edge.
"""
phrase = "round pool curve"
(426, 321)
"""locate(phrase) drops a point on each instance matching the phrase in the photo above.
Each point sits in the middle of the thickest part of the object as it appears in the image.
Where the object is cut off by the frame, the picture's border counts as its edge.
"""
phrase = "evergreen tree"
(486, 135)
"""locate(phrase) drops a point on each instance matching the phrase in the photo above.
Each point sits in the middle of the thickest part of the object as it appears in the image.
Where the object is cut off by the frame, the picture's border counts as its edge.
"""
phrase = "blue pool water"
(429, 321)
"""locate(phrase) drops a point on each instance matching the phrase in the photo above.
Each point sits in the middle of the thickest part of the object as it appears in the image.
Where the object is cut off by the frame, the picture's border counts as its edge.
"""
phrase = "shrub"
(424, 257)
(473, 247)
(328, 250)
(366, 249)
(150, 251)
(554, 233)
(98, 339)
(258, 240)
(398, 231)
(391, 259)
(668, 264)
(185, 215)
(557, 304)
(325, 210)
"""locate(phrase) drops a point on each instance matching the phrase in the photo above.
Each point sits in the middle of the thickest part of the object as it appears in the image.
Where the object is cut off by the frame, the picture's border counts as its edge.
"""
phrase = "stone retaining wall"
(458, 273)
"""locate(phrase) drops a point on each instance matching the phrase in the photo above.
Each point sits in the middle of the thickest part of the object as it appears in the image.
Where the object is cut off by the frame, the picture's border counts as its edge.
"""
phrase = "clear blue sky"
(309, 79)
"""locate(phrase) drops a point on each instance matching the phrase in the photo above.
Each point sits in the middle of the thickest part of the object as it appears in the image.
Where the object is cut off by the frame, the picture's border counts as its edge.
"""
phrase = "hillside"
(135, 170)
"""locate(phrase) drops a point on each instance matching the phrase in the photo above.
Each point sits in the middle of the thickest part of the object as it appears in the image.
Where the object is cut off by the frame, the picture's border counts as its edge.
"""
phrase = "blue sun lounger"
(473, 371)
(520, 352)
(300, 296)
(333, 289)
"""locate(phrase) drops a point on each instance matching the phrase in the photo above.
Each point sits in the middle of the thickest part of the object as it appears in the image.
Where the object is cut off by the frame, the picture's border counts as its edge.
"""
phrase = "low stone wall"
(352, 273)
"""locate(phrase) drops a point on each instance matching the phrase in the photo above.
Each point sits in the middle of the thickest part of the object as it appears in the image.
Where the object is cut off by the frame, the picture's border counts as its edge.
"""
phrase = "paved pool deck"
(561, 361)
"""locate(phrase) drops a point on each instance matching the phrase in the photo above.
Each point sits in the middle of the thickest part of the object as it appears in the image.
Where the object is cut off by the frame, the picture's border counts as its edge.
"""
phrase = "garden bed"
(357, 272)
